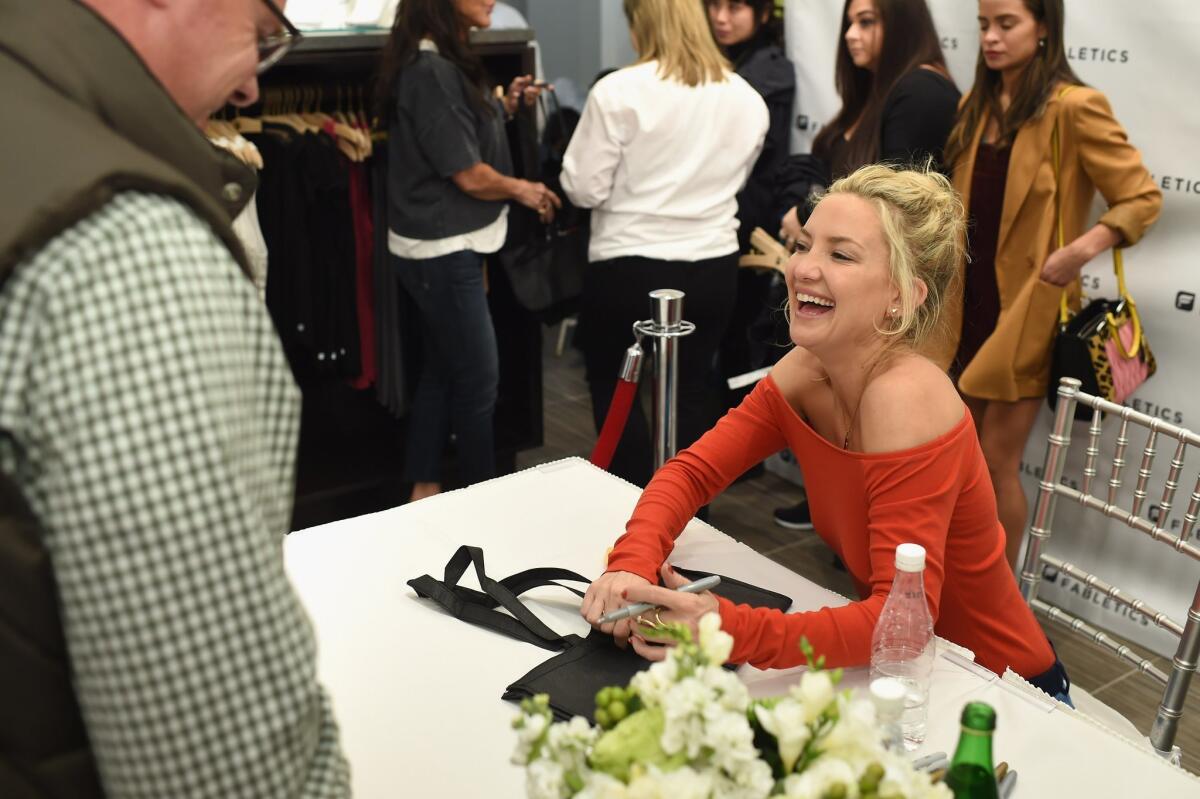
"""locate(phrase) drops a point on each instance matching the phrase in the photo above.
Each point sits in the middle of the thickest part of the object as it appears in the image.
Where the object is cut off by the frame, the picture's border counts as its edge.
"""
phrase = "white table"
(417, 692)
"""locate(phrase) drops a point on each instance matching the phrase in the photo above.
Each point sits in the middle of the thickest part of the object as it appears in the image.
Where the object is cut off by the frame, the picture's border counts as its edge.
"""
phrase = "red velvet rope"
(614, 423)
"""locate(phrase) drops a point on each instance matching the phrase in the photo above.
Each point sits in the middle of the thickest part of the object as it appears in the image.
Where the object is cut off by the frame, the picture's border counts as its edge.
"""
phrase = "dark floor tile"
(1087, 664)
(816, 564)
(746, 512)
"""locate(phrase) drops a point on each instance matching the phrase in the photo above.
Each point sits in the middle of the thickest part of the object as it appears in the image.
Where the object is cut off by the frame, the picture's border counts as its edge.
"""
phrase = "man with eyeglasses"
(150, 642)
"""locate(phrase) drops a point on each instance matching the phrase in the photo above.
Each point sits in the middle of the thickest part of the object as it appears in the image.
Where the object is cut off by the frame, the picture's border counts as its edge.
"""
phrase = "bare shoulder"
(797, 374)
(910, 404)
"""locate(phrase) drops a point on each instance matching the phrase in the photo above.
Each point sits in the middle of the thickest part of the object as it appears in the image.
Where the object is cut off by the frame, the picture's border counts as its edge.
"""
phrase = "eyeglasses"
(276, 46)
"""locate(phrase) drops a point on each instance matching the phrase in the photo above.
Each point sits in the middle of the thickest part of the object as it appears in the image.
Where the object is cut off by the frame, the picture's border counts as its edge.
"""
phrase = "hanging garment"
(249, 232)
(364, 246)
(307, 222)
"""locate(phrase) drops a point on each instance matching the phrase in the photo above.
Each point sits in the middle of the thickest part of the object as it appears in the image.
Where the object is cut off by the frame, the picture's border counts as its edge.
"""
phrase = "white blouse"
(661, 163)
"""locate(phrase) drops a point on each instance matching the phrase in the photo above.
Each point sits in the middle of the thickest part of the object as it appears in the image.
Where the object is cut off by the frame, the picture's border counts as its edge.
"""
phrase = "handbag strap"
(1064, 311)
(479, 607)
(1135, 318)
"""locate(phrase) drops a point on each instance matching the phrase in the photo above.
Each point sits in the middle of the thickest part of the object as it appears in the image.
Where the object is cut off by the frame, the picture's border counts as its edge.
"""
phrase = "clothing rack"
(351, 446)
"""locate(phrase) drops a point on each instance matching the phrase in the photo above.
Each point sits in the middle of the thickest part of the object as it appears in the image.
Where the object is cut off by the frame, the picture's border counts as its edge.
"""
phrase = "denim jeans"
(460, 371)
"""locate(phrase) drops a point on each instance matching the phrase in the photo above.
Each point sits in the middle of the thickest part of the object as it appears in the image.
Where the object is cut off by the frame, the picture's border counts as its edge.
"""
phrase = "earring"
(1042, 43)
(892, 312)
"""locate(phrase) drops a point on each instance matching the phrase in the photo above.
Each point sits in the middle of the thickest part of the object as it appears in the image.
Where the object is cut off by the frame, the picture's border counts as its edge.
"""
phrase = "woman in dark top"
(751, 37)
(898, 101)
(448, 183)
(898, 105)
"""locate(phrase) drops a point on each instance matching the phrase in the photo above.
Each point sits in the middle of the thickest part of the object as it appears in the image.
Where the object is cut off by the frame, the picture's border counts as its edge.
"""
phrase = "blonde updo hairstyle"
(924, 224)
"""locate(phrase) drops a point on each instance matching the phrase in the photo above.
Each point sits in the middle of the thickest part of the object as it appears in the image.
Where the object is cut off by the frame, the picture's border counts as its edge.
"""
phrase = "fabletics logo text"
(1106, 54)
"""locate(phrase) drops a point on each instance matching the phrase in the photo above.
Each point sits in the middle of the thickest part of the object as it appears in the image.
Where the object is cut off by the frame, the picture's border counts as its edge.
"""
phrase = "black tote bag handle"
(478, 607)
(582, 665)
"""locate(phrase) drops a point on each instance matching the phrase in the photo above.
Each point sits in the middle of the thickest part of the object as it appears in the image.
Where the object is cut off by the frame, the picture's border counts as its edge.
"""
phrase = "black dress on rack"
(304, 212)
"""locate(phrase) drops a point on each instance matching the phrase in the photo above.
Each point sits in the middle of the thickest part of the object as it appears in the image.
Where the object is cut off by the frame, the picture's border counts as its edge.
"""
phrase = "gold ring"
(640, 621)
(658, 619)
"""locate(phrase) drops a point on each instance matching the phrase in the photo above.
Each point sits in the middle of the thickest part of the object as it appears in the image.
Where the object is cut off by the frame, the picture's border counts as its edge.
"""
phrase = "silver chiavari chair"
(1170, 709)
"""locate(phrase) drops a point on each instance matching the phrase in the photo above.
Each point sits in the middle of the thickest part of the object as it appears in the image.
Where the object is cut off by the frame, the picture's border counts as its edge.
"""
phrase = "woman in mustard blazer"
(1001, 331)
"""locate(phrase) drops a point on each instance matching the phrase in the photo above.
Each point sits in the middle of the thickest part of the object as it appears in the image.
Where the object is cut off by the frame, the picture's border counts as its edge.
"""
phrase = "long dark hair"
(765, 33)
(1033, 90)
(427, 19)
(909, 40)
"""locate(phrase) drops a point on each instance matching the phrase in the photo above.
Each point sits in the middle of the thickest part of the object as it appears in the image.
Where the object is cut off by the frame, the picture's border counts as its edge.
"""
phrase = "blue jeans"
(460, 372)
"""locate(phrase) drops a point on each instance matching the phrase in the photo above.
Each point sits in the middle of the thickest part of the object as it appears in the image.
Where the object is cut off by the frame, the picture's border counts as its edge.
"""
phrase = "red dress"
(937, 495)
(981, 294)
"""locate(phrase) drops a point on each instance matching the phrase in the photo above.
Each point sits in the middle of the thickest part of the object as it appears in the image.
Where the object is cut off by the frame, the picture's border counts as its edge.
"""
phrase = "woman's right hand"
(607, 594)
(538, 198)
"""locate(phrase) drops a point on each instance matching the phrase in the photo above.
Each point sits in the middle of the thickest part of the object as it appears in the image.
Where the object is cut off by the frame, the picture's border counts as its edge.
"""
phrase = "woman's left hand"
(1065, 263)
(1063, 266)
(677, 607)
(522, 88)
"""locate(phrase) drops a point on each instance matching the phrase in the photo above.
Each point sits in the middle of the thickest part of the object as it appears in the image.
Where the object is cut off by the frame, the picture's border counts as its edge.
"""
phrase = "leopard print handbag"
(1105, 348)
(1104, 345)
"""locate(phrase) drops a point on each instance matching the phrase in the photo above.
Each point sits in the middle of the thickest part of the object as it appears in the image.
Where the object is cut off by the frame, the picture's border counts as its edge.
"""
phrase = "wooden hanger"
(246, 124)
(223, 134)
(279, 103)
(765, 252)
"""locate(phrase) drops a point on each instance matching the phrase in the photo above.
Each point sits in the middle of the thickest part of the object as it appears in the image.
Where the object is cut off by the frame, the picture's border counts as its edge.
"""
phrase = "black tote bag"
(582, 666)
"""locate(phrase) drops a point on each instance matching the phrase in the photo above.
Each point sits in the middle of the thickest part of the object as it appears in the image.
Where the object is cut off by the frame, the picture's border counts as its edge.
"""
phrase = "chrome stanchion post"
(666, 311)
(666, 326)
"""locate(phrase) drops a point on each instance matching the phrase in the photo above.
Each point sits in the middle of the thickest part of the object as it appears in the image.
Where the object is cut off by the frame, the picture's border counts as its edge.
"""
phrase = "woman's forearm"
(1096, 240)
(484, 183)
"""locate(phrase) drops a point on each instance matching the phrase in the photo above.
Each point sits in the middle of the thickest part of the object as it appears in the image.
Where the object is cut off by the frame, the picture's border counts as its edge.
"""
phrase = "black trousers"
(614, 297)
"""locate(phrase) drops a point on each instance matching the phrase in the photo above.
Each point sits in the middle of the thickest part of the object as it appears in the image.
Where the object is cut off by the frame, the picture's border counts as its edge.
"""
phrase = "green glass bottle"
(971, 775)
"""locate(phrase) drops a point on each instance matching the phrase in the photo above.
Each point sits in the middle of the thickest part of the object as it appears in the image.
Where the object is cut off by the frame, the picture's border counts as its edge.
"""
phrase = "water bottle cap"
(910, 558)
(887, 694)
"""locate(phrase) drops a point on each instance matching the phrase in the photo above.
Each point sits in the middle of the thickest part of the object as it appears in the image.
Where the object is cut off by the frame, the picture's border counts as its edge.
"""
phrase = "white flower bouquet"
(687, 729)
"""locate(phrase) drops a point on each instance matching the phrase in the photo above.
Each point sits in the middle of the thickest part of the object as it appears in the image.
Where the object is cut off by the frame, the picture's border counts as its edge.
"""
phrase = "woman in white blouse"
(660, 154)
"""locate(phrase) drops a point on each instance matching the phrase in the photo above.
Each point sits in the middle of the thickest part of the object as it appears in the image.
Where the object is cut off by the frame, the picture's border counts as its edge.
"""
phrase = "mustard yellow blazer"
(1014, 362)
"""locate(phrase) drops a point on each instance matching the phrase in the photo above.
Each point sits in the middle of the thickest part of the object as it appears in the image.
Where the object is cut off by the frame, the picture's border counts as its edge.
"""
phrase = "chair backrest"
(1051, 487)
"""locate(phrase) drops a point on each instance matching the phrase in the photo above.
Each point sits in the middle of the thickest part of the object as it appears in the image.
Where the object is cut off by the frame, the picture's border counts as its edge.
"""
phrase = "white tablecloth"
(417, 692)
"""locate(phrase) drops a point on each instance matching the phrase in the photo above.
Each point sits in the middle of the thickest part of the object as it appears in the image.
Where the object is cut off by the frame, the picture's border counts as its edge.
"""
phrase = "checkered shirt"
(149, 416)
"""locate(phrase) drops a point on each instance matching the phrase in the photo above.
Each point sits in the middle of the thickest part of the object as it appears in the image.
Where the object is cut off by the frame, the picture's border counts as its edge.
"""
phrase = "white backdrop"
(1145, 60)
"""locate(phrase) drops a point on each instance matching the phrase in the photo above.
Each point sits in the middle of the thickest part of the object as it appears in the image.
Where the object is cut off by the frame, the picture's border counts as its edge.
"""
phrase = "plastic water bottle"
(902, 645)
(888, 695)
